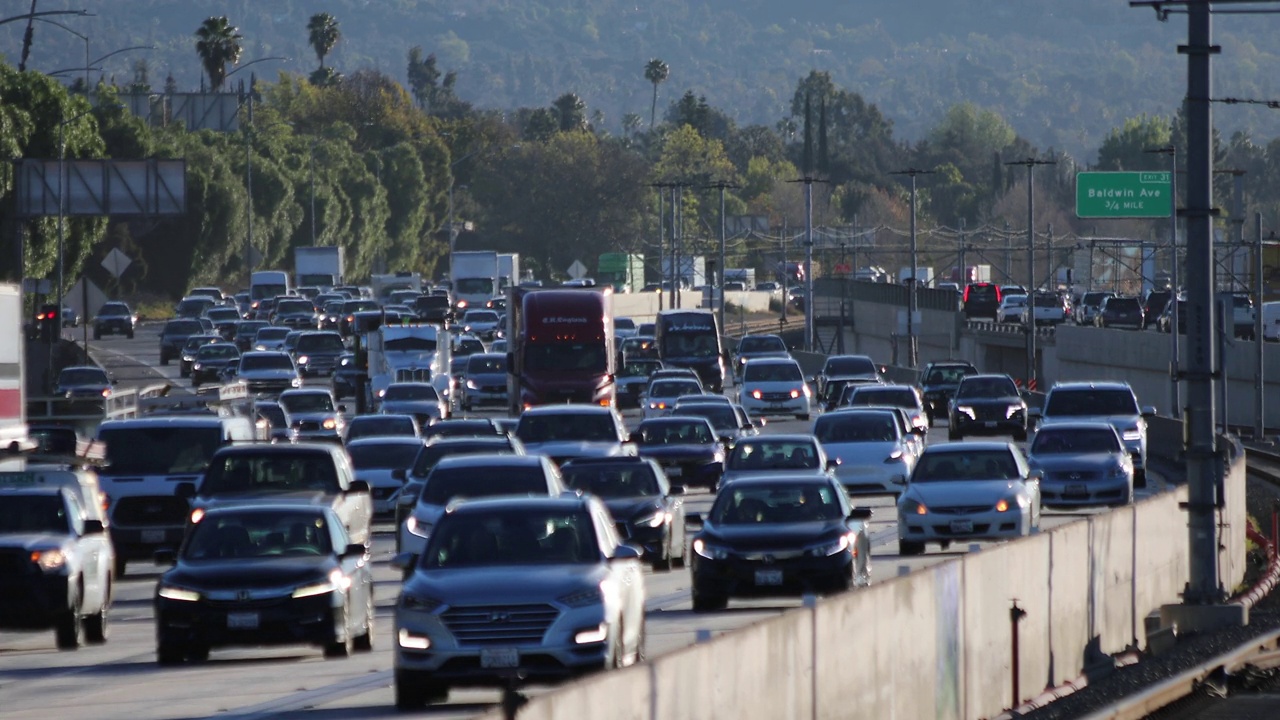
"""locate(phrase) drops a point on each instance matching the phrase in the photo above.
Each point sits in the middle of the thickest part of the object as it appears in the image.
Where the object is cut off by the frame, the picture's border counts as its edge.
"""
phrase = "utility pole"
(963, 279)
(1259, 420)
(912, 281)
(675, 247)
(808, 265)
(722, 185)
(248, 183)
(662, 244)
(1030, 164)
(1175, 382)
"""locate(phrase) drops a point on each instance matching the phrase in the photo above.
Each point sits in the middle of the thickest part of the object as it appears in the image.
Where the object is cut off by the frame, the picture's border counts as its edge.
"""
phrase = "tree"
(1125, 147)
(570, 112)
(656, 72)
(323, 34)
(423, 76)
(218, 43)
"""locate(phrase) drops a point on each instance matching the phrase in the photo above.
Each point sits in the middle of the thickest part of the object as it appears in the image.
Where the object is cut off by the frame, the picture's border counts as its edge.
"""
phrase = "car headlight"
(830, 547)
(1132, 434)
(173, 592)
(336, 582)
(1117, 471)
(582, 598)
(412, 640)
(471, 385)
(757, 394)
(260, 347)
(344, 362)
(417, 527)
(303, 360)
(911, 506)
(653, 520)
(795, 394)
(1012, 410)
(1010, 503)
(597, 634)
(966, 410)
(329, 424)
(49, 560)
(709, 551)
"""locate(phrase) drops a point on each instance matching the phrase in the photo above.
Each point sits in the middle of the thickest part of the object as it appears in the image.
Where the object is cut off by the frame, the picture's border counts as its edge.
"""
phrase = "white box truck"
(321, 267)
(474, 277)
(508, 270)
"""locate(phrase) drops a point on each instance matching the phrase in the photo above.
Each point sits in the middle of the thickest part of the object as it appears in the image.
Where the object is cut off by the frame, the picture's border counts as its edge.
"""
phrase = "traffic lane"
(136, 362)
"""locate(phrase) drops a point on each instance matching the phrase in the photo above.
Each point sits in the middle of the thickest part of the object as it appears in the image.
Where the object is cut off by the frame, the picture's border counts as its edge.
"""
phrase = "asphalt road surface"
(121, 679)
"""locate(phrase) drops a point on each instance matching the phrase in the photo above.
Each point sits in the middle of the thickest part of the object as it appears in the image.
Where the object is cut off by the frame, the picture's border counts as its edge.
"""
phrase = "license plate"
(500, 658)
(152, 536)
(1077, 490)
(991, 423)
(673, 472)
(768, 577)
(242, 621)
(961, 526)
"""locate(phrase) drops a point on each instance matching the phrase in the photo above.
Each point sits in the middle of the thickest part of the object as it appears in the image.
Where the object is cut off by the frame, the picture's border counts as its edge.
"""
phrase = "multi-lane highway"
(121, 679)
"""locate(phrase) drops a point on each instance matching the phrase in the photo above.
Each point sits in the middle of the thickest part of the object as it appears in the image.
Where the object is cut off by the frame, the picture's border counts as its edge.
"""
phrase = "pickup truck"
(309, 473)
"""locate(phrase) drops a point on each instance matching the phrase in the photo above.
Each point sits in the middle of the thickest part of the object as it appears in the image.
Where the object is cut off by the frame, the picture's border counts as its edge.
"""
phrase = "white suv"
(1112, 402)
(774, 386)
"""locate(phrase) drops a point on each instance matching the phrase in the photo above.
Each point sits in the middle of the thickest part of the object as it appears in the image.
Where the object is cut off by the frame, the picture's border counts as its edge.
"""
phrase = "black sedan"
(687, 448)
(211, 360)
(988, 405)
(784, 535)
(264, 575)
(938, 383)
(648, 511)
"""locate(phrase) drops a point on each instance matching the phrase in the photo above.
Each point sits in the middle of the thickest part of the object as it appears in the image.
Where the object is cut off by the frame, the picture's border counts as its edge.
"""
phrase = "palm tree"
(570, 112)
(218, 43)
(656, 72)
(323, 34)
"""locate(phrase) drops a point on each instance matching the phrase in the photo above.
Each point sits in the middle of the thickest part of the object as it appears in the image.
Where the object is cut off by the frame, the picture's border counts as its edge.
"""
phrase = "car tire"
(69, 630)
(341, 648)
(96, 629)
(907, 548)
(1140, 478)
(703, 602)
(364, 641)
(170, 654)
(414, 690)
(663, 562)
(931, 418)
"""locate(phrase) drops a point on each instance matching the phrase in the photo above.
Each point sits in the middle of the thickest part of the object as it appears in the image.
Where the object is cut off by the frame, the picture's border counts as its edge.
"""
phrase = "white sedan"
(968, 491)
(774, 386)
(873, 455)
(1012, 309)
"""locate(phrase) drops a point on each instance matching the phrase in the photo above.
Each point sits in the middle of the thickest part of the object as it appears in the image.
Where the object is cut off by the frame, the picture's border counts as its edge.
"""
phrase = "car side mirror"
(1148, 411)
(165, 557)
(93, 527)
(358, 486)
(355, 550)
(342, 408)
(185, 490)
(404, 561)
(832, 464)
(626, 551)
(400, 474)
(920, 431)
(676, 490)
(1035, 475)
(860, 513)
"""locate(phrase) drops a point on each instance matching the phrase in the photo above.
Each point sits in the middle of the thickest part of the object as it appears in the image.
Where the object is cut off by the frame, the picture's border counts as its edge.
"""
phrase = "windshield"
(487, 364)
(198, 340)
(552, 427)
(480, 316)
(407, 344)
(250, 328)
(383, 456)
(265, 362)
(1090, 402)
(774, 455)
(295, 306)
(513, 537)
(272, 333)
(1056, 441)
(637, 369)
(947, 375)
(569, 357)
(223, 314)
(445, 484)
(308, 402)
(669, 432)
(355, 306)
(411, 392)
(1094, 299)
(320, 342)
(721, 417)
(690, 344)
(969, 465)
(274, 414)
(771, 372)
(34, 514)
(850, 366)
(113, 310)
(673, 388)
(83, 376)
(613, 481)
(894, 397)
(462, 428)
(986, 387)
(183, 327)
(782, 503)
(624, 324)
(218, 351)
(271, 472)
(856, 427)
(473, 286)
(260, 291)
(429, 457)
(259, 534)
(159, 450)
(369, 425)
(763, 343)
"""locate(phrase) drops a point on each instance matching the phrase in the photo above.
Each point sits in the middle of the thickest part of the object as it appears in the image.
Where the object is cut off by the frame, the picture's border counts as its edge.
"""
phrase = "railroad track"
(1264, 464)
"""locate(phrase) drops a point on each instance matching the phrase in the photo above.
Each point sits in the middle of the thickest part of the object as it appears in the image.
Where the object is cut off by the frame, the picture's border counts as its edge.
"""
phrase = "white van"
(1271, 320)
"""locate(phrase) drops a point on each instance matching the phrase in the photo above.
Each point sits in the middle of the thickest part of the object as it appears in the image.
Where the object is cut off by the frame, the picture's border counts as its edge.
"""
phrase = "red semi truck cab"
(562, 347)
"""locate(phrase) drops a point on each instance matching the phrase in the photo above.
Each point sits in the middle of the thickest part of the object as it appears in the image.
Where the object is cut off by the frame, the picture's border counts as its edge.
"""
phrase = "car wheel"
(414, 690)
(1140, 478)
(907, 548)
(341, 648)
(198, 653)
(170, 653)
(703, 602)
(663, 562)
(931, 418)
(69, 631)
(95, 626)
(364, 641)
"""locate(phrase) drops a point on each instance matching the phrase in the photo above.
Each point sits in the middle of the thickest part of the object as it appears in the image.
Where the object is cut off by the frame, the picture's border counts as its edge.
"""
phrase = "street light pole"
(1030, 319)
(311, 153)
(912, 281)
(1175, 383)
(62, 201)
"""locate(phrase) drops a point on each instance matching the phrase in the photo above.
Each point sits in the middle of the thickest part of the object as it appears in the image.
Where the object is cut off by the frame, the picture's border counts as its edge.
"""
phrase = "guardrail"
(1046, 331)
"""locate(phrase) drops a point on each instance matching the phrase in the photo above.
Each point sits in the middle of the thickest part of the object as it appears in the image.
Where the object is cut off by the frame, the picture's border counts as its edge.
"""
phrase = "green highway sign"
(1123, 195)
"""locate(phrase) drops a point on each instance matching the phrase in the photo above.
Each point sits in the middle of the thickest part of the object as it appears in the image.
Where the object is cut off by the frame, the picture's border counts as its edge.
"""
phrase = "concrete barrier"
(643, 306)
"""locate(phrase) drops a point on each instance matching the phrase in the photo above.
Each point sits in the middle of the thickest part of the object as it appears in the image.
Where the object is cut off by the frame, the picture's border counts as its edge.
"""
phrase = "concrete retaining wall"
(643, 307)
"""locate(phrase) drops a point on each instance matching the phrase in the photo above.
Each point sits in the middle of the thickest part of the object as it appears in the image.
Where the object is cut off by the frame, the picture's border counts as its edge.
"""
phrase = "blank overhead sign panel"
(103, 187)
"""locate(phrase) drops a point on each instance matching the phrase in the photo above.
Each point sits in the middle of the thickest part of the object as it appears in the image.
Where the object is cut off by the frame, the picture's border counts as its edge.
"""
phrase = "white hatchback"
(774, 386)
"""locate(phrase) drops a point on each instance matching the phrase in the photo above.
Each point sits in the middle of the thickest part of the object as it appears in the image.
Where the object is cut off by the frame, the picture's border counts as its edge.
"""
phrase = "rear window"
(896, 397)
(320, 342)
(431, 455)
(856, 427)
(850, 366)
(1123, 304)
(982, 293)
(774, 454)
(142, 450)
(767, 343)
(1069, 402)
(970, 465)
(183, 327)
(453, 483)
(271, 472)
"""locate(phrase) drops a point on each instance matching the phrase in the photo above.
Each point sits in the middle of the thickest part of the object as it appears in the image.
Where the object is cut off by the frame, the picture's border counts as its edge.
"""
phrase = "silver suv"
(1112, 402)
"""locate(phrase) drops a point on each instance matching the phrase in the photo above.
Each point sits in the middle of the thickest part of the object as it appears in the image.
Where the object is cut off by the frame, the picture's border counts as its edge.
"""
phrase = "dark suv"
(112, 319)
(1119, 311)
(1154, 306)
(938, 383)
(981, 300)
(988, 405)
(175, 335)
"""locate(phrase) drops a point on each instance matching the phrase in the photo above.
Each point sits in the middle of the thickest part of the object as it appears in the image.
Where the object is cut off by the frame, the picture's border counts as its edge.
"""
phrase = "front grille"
(960, 509)
(15, 562)
(423, 375)
(985, 413)
(157, 510)
(493, 388)
(1073, 476)
(775, 396)
(500, 624)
